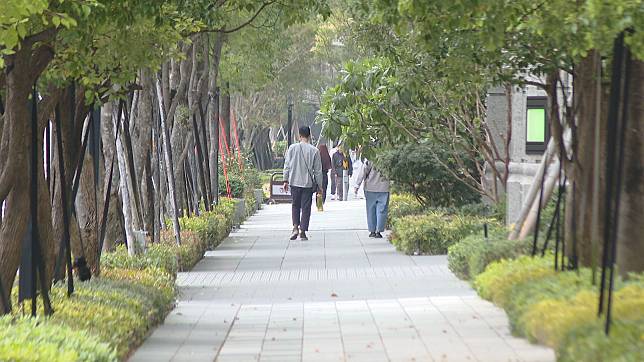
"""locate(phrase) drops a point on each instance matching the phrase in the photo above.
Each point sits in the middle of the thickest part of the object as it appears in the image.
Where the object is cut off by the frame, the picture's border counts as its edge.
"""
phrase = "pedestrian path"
(340, 296)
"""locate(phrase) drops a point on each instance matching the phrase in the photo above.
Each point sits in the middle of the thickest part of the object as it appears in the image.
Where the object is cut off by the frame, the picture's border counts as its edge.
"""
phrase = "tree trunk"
(132, 246)
(87, 216)
(225, 116)
(630, 245)
(213, 116)
(585, 219)
(26, 64)
(114, 228)
(165, 135)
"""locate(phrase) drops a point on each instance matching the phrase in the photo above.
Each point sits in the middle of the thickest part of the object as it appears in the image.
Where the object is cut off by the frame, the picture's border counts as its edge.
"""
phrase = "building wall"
(523, 166)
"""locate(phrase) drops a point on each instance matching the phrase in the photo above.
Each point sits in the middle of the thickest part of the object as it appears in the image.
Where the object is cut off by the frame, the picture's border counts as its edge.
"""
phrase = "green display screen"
(536, 125)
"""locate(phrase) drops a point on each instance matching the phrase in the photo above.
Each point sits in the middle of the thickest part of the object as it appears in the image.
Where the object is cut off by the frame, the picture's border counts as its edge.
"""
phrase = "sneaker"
(332, 197)
(296, 231)
(372, 234)
(303, 236)
(378, 235)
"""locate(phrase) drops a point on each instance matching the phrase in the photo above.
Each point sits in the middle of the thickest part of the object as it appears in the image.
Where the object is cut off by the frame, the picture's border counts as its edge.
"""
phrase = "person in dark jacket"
(326, 166)
(340, 162)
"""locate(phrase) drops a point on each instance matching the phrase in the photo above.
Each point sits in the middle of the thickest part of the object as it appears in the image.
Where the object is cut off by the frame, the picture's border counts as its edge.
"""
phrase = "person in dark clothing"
(340, 162)
(303, 173)
(326, 166)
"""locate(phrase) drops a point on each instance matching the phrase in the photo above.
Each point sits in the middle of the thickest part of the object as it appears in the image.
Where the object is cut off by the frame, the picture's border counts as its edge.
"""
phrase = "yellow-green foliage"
(558, 286)
(403, 205)
(155, 255)
(589, 343)
(434, 231)
(559, 309)
(470, 256)
(549, 320)
(109, 315)
(39, 339)
(119, 307)
(498, 279)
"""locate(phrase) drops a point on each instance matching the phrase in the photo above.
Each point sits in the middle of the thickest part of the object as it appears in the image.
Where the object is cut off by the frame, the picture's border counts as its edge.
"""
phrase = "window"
(537, 132)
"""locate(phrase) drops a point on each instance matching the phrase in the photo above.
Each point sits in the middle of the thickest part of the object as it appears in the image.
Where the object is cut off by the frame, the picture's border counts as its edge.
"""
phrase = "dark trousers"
(325, 185)
(332, 183)
(302, 199)
(339, 186)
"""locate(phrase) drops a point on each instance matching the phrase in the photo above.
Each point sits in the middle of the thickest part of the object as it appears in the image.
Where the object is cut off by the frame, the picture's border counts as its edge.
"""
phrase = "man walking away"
(303, 172)
(376, 192)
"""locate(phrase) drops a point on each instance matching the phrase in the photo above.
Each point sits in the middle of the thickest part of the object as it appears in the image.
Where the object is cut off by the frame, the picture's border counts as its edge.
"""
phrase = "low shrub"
(116, 309)
(589, 343)
(159, 256)
(550, 320)
(401, 205)
(250, 203)
(559, 309)
(558, 286)
(432, 232)
(499, 277)
(472, 255)
(39, 339)
(109, 315)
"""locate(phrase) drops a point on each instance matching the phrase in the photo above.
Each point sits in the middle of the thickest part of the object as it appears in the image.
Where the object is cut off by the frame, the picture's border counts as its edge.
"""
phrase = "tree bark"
(25, 65)
(132, 246)
(115, 230)
(630, 245)
(584, 219)
(225, 116)
(165, 135)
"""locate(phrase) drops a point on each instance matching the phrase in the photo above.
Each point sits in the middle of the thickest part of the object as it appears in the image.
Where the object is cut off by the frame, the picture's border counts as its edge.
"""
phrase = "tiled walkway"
(338, 297)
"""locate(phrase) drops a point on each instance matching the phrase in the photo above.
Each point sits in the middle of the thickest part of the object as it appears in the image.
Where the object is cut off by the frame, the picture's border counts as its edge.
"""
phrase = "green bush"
(551, 319)
(499, 277)
(241, 181)
(589, 343)
(109, 315)
(559, 309)
(433, 232)
(279, 148)
(403, 205)
(117, 311)
(236, 183)
(414, 169)
(159, 256)
(472, 255)
(558, 286)
(38, 339)
(250, 203)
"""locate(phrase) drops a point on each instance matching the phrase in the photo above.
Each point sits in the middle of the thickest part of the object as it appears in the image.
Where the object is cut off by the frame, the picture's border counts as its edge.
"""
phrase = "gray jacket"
(374, 181)
(301, 164)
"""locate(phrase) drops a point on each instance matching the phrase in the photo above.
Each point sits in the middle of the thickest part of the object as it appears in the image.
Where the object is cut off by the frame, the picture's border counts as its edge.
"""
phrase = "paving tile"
(341, 296)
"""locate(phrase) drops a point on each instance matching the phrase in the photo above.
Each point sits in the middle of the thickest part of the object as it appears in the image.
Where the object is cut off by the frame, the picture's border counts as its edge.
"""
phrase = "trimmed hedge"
(559, 309)
(433, 232)
(108, 316)
(472, 255)
(39, 339)
(119, 308)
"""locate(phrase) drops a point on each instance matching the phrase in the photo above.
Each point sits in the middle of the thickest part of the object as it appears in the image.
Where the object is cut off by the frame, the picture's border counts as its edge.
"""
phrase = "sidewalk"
(339, 296)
